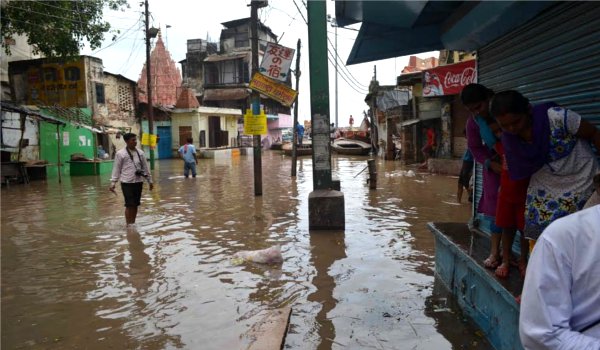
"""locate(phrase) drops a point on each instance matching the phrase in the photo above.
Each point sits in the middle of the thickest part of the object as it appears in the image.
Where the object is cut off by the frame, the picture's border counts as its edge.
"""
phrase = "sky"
(192, 19)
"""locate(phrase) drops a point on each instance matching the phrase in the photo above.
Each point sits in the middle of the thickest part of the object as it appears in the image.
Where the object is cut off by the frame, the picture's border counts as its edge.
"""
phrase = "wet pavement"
(73, 278)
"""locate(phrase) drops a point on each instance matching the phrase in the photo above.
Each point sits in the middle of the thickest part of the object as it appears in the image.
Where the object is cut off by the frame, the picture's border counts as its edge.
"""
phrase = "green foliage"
(57, 28)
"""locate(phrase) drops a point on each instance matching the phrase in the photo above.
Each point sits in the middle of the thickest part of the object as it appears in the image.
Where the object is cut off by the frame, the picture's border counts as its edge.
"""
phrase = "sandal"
(522, 268)
(502, 271)
(491, 262)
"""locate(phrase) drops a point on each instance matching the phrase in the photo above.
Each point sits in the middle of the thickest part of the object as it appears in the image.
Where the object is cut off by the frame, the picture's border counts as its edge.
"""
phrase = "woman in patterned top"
(552, 145)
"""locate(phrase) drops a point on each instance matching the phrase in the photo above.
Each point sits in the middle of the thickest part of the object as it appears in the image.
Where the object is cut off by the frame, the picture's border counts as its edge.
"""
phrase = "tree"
(57, 28)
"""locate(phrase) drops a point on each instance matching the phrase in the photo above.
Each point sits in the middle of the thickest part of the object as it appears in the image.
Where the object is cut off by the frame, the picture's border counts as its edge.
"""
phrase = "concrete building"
(211, 128)
(19, 50)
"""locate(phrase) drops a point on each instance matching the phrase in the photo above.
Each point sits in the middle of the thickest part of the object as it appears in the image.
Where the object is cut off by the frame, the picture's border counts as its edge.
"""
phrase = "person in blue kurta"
(300, 132)
(188, 154)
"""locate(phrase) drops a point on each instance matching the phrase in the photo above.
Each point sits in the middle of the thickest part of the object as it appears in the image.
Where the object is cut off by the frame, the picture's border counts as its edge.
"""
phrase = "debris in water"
(265, 256)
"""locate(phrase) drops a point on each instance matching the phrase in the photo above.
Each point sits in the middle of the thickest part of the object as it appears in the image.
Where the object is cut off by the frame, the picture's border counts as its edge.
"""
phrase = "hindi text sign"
(273, 89)
(255, 124)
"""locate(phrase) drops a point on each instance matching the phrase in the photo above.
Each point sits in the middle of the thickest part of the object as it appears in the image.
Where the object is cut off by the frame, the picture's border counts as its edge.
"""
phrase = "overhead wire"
(71, 20)
(119, 39)
(349, 74)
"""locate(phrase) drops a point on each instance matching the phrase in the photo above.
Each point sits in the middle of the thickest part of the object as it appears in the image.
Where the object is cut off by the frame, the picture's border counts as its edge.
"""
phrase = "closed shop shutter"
(555, 57)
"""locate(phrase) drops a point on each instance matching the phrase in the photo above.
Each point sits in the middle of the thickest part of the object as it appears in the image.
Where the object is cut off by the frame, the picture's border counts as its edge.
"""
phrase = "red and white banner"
(450, 79)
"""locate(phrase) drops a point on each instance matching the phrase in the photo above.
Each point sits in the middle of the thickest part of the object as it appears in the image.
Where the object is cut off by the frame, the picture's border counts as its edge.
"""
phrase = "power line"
(300, 12)
(349, 75)
(118, 39)
(71, 20)
(344, 79)
(344, 66)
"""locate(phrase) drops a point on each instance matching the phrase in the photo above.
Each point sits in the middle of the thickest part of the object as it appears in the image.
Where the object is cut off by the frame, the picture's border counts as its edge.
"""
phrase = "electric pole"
(255, 96)
(336, 77)
(149, 86)
(295, 137)
(325, 205)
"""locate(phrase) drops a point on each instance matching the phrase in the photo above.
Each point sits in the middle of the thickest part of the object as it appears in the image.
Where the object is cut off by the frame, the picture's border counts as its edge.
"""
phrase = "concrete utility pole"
(149, 85)
(295, 137)
(255, 96)
(333, 22)
(325, 205)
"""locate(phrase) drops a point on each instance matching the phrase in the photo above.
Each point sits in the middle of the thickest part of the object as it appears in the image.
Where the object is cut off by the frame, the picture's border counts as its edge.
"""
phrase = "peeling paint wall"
(11, 135)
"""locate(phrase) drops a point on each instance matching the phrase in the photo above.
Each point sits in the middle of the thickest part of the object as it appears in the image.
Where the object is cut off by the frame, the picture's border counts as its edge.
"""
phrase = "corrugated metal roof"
(226, 57)
(25, 110)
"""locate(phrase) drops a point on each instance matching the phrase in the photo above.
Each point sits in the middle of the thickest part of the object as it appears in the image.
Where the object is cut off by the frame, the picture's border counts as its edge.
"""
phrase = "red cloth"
(510, 215)
(511, 191)
(430, 137)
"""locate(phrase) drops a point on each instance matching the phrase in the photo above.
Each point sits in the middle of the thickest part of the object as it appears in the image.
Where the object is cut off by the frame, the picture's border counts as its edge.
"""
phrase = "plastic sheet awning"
(397, 28)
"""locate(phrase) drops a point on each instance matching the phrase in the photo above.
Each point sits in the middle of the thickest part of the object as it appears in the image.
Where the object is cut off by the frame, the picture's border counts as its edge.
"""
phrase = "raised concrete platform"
(489, 301)
(224, 153)
(326, 210)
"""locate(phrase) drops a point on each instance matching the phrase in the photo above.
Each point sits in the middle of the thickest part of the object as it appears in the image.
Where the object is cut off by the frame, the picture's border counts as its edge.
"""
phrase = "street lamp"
(333, 23)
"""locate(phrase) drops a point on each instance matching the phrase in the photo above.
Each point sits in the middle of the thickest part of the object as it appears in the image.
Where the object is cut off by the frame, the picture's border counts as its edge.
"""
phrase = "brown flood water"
(72, 278)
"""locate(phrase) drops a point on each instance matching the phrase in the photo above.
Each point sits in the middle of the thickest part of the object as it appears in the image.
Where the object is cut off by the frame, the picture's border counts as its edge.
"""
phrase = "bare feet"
(492, 262)
(502, 270)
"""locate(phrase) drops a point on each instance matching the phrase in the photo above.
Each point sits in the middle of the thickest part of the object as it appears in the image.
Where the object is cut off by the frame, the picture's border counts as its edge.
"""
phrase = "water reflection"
(327, 247)
(73, 277)
(140, 269)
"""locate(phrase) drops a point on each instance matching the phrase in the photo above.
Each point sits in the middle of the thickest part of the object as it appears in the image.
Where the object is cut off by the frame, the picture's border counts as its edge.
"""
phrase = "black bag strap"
(139, 157)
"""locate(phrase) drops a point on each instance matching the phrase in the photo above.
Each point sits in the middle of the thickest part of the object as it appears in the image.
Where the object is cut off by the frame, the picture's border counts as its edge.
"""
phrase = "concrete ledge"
(225, 152)
(489, 301)
(444, 166)
(326, 210)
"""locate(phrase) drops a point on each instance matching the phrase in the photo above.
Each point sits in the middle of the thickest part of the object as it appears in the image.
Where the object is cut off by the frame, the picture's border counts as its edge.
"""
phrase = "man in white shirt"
(130, 167)
(560, 304)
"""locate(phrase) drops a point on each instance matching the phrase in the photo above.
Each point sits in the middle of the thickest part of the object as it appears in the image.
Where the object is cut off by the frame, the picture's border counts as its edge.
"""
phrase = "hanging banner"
(277, 61)
(273, 89)
(148, 140)
(255, 124)
(448, 80)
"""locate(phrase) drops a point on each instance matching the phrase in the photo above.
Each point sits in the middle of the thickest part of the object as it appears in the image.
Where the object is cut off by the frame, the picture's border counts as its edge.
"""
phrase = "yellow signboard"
(148, 140)
(60, 83)
(255, 124)
(273, 89)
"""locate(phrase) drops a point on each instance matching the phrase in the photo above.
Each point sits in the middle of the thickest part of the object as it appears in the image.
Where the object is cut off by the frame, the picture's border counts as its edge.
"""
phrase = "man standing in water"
(130, 167)
(188, 154)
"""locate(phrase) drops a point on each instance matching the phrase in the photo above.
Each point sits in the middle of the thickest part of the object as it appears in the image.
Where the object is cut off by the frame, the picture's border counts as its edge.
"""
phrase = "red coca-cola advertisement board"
(450, 79)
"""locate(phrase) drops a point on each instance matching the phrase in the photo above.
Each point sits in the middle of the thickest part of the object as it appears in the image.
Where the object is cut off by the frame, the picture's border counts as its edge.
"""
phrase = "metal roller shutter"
(555, 57)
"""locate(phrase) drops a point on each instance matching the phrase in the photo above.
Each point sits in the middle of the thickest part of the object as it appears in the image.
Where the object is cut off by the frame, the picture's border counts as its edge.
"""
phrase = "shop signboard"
(449, 80)
(273, 89)
(277, 61)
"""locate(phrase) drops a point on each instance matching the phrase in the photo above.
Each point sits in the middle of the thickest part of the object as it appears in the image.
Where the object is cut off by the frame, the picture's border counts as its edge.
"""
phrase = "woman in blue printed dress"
(552, 145)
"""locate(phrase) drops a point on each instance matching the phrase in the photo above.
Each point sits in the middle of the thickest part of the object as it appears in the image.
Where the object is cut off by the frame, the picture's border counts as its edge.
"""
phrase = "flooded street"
(72, 278)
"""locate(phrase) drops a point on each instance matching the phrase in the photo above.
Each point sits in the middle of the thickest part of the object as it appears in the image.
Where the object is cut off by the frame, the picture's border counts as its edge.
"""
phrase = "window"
(50, 74)
(185, 132)
(242, 40)
(72, 74)
(99, 93)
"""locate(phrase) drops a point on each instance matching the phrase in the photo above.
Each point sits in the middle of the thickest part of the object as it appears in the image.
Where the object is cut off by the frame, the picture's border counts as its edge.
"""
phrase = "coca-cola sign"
(450, 79)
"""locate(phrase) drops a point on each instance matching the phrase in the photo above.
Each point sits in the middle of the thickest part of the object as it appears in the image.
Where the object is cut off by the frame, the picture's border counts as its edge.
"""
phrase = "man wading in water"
(131, 169)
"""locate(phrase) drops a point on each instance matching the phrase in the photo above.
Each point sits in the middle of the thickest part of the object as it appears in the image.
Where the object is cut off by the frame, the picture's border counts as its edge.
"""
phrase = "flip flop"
(491, 263)
(502, 271)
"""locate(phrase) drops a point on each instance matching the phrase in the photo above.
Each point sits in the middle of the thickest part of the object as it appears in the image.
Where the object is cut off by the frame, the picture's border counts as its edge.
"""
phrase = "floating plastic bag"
(265, 256)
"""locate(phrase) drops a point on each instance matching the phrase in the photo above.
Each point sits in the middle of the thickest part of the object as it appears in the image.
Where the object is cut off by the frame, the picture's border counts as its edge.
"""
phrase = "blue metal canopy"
(396, 28)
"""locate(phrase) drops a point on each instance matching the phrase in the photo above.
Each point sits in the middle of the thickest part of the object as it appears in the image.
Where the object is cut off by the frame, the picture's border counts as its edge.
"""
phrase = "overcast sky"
(192, 19)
